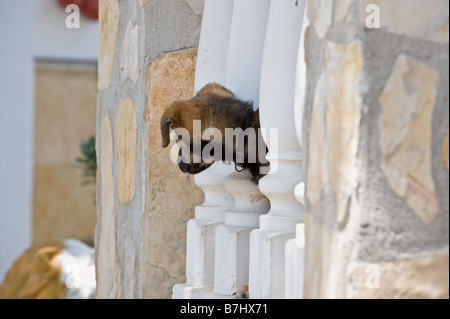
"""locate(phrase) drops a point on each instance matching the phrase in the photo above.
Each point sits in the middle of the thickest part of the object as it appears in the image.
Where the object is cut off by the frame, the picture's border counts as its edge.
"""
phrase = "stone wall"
(376, 148)
(147, 60)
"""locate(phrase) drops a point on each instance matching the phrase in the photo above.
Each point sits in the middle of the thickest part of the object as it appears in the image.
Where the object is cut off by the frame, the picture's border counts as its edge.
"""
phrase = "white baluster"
(295, 247)
(243, 69)
(267, 244)
(201, 231)
(213, 45)
(245, 48)
(211, 62)
(233, 238)
(200, 265)
(295, 264)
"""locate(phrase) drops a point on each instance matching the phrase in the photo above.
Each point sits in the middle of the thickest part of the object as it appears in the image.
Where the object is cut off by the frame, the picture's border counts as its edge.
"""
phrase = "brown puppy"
(216, 107)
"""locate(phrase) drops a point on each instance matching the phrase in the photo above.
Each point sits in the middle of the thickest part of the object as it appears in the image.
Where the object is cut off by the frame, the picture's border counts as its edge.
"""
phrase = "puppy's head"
(216, 107)
(181, 114)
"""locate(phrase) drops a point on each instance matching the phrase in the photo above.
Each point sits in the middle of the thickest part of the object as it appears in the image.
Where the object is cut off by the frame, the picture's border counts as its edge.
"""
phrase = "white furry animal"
(61, 270)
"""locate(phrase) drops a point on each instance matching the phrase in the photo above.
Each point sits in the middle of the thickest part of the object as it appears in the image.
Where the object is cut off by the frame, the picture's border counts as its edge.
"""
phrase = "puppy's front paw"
(242, 292)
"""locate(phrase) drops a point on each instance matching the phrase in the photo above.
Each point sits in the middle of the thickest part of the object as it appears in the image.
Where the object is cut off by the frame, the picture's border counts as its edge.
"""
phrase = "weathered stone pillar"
(376, 149)
(144, 200)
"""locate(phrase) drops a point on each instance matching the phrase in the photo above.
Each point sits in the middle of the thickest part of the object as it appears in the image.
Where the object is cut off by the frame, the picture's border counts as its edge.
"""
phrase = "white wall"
(52, 40)
(16, 129)
(29, 29)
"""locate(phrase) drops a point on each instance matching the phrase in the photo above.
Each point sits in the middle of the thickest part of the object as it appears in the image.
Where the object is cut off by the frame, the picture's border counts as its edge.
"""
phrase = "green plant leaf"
(88, 160)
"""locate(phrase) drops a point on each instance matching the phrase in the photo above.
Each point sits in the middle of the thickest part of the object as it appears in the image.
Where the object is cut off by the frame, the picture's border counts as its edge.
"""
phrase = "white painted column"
(200, 250)
(277, 97)
(16, 130)
(232, 240)
(243, 72)
(294, 249)
(213, 45)
(245, 48)
(201, 233)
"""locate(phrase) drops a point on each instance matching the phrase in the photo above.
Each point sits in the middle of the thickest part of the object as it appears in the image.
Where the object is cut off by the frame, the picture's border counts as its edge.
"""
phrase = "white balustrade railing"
(251, 46)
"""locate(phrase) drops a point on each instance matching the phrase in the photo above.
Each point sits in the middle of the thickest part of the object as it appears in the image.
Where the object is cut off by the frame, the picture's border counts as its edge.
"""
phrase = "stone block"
(343, 98)
(129, 54)
(108, 271)
(421, 276)
(335, 126)
(126, 133)
(317, 177)
(325, 261)
(407, 104)
(109, 15)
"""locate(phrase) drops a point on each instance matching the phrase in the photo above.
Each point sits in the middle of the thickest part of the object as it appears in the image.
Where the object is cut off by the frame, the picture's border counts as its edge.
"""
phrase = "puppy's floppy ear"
(165, 130)
(179, 114)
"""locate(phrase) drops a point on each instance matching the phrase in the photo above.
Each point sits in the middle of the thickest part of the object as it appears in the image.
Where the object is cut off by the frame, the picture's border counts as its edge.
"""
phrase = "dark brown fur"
(216, 107)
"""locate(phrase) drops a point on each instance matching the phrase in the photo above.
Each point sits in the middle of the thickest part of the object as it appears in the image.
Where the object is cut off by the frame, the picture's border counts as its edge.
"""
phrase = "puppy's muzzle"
(188, 164)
